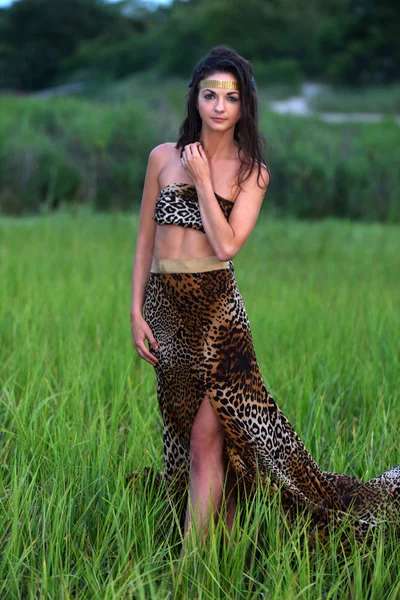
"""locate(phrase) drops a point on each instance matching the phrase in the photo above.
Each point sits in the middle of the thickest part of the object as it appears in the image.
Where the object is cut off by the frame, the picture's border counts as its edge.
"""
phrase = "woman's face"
(217, 102)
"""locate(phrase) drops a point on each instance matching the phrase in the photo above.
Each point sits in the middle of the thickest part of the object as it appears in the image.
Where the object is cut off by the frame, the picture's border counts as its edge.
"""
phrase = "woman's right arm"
(144, 254)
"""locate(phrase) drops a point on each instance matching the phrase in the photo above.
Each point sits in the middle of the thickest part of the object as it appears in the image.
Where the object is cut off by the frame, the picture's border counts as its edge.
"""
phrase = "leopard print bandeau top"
(178, 204)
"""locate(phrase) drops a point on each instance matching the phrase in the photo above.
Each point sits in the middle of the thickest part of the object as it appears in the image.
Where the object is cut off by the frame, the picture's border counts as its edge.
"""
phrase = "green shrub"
(95, 152)
(321, 170)
(67, 150)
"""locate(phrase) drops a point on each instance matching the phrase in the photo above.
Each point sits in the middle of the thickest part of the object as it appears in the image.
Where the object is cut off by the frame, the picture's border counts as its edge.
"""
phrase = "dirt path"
(300, 106)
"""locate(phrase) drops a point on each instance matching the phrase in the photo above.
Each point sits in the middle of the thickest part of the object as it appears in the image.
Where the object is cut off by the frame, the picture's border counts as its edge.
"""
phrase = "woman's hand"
(195, 163)
(140, 332)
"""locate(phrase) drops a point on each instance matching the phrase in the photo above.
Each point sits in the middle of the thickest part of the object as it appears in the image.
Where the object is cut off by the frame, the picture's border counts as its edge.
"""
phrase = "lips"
(219, 119)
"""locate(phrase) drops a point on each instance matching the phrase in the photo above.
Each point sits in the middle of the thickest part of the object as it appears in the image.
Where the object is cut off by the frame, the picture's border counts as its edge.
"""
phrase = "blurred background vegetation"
(89, 87)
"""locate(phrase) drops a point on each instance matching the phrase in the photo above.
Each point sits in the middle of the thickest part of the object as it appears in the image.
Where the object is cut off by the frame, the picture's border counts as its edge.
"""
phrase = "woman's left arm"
(226, 238)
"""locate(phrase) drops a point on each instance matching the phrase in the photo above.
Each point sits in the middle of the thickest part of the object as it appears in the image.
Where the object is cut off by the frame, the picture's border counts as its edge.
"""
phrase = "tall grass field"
(79, 411)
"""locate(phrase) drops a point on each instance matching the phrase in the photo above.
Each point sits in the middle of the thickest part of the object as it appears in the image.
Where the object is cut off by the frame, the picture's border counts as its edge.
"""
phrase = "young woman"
(201, 200)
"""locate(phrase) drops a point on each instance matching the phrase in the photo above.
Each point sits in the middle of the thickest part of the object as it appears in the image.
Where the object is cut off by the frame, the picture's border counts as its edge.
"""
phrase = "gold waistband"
(189, 265)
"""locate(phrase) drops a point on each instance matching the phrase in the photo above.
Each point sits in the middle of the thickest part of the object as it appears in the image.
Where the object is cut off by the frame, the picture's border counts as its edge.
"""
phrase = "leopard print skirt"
(198, 318)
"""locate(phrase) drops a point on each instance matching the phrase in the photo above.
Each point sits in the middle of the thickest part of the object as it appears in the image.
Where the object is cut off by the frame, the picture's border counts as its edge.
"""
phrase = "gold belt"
(187, 265)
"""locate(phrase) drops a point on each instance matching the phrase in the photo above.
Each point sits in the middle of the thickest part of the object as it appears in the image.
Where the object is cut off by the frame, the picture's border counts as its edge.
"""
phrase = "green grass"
(78, 410)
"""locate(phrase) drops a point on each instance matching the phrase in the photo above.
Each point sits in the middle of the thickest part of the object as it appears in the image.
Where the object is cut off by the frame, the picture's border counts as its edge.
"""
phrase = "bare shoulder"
(258, 182)
(162, 151)
(162, 154)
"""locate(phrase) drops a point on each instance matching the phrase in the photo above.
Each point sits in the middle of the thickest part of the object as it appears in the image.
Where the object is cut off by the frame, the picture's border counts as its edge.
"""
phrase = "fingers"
(138, 342)
(191, 153)
(145, 353)
(192, 149)
(151, 338)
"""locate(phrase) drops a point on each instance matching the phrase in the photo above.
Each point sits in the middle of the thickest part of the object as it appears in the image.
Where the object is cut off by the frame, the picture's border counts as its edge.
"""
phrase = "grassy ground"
(78, 410)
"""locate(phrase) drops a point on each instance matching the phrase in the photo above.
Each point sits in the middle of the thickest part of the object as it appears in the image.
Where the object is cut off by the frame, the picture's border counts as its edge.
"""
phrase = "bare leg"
(207, 469)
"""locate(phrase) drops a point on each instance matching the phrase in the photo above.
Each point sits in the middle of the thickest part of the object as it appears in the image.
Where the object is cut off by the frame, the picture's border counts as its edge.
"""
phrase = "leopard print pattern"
(205, 348)
(178, 204)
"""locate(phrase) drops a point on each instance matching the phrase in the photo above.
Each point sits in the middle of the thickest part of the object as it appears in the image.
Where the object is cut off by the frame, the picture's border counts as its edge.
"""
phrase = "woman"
(201, 200)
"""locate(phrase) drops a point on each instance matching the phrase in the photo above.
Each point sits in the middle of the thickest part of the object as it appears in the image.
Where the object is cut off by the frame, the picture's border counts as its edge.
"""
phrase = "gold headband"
(219, 83)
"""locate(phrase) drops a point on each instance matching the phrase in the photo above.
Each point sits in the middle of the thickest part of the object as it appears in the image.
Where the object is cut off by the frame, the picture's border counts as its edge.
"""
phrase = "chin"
(224, 123)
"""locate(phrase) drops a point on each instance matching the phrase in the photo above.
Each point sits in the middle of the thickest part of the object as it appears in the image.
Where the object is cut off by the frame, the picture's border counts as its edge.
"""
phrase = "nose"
(220, 105)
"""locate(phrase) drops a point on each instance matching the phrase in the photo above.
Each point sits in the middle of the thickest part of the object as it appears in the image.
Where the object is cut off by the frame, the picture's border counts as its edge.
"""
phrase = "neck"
(218, 145)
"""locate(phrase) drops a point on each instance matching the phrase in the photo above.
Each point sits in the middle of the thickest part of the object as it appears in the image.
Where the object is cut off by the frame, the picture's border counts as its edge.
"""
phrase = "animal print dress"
(198, 317)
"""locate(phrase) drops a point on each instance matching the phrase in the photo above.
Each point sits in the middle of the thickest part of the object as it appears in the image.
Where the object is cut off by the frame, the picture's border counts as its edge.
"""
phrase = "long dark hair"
(250, 141)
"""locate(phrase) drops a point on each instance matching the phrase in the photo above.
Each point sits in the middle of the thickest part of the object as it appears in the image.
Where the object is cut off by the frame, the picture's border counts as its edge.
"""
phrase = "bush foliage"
(77, 151)
(68, 150)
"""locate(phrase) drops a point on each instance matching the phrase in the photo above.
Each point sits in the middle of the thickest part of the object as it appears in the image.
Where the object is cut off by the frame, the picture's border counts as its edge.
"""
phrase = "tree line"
(45, 43)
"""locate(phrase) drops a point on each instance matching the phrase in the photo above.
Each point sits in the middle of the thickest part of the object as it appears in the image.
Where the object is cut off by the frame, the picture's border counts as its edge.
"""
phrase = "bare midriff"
(175, 241)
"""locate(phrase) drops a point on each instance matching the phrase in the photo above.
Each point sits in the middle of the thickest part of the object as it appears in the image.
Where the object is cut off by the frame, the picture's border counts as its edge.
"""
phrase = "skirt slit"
(205, 348)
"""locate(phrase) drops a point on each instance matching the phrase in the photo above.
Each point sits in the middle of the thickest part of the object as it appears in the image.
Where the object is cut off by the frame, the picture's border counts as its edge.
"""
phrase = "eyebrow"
(210, 90)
